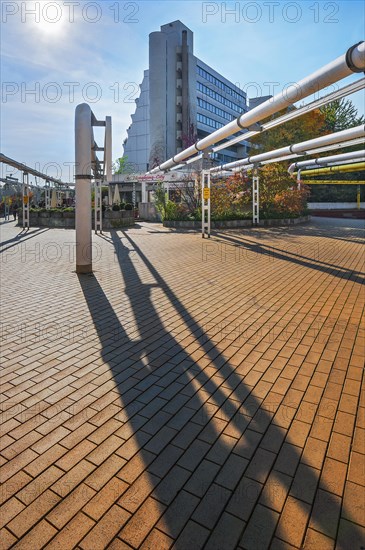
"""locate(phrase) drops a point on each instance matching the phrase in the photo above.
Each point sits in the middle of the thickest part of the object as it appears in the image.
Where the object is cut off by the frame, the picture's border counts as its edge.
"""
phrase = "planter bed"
(66, 220)
(231, 224)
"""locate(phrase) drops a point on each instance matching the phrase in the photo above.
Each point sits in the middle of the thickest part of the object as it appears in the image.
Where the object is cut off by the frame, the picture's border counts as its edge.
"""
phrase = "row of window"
(219, 83)
(214, 95)
(213, 109)
(209, 121)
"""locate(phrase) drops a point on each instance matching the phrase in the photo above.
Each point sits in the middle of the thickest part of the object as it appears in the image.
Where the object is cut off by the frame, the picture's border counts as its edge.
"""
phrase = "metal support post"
(47, 195)
(358, 197)
(144, 192)
(205, 183)
(134, 195)
(98, 207)
(83, 140)
(25, 200)
(298, 179)
(255, 196)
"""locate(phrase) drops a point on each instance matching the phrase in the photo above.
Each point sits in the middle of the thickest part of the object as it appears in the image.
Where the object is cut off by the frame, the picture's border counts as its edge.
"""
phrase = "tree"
(122, 166)
(278, 192)
(299, 129)
(341, 115)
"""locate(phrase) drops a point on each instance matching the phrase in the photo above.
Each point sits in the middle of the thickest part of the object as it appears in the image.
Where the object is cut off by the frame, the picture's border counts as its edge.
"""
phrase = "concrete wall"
(333, 205)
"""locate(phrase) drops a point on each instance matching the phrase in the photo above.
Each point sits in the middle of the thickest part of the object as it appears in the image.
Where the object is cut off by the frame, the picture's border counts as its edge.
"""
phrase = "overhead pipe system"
(341, 145)
(353, 61)
(28, 170)
(335, 168)
(295, 113)
(303, 147)
(323, 161)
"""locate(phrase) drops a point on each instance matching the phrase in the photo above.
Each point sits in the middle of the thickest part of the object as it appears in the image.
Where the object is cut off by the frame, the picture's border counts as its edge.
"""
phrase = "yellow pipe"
(355, 167)
(333, 182)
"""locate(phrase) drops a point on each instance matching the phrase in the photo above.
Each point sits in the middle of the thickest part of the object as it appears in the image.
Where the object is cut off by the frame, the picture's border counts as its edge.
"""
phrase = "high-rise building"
(181, 100)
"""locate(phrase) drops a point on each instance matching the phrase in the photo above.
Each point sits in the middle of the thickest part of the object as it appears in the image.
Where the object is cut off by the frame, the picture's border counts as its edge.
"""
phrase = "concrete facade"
(182, 99)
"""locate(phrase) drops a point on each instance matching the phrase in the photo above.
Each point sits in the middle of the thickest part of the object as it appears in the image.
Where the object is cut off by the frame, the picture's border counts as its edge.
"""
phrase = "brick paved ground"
(191, 394)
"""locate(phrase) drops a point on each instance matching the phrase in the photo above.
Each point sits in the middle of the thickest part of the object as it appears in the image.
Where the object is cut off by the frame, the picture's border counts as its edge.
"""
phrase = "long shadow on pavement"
(207, 482)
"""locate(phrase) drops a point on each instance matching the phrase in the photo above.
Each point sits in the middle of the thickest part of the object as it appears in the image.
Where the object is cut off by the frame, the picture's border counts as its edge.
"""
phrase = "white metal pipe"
(305, 109)
(304, 146)
(83, 154)
(322, 161)
(352, 61)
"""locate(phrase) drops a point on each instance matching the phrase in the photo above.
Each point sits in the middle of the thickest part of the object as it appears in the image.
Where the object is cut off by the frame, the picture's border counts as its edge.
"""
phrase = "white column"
(25, 200)
(98, 207)
(144, 191)
(83, 141)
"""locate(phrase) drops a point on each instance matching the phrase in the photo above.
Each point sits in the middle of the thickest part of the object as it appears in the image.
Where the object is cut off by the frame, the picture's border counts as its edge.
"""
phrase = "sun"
(51, 19)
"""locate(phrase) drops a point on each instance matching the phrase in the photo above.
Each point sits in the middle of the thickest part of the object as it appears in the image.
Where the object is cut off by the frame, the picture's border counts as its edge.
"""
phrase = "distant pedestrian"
(15, 210)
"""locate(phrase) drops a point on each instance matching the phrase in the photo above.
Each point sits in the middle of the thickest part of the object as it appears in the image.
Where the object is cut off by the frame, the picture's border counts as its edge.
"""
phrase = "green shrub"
(116, 207)
(129, 206)
(122, 205)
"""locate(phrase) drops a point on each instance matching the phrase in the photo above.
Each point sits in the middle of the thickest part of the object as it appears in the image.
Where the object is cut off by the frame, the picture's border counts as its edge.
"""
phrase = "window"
(209, 121)
(214, 95)
(220, 84)
(213, 109)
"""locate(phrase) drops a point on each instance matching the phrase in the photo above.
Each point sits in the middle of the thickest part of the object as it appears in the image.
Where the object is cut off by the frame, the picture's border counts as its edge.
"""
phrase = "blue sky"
(58, 54)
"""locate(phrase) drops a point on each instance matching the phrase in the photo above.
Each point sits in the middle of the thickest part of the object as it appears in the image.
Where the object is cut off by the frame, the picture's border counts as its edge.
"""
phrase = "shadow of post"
(206, 440)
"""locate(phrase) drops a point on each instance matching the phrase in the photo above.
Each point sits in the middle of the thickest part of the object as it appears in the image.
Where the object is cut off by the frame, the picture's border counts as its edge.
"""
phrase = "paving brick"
(260, 528)
(138, 492)
(34, 512)
(333, 476)
(275, 491)
(37, 537)
(202, 478)
(168, 488)
(211, 505)
(244, 498)
(353, 503)
(103, 473)
(69, 506)
(260, 465)
(106, 529)
(6, 539)
(325, 514)
(13, 485)
(232, 471)
(142, 522)
(9, 510)
(288, 459)
(73, 457)
(156, 539)
(72, 533)
(34, 489)
(72, 478)
(293, 521)
(356, 472)
(226, 533)
(136, 465)
(105, 498)
(17, 463)
(193, 536)
(349, 534)
(315, 540)
(177, 514)
(314, 452)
